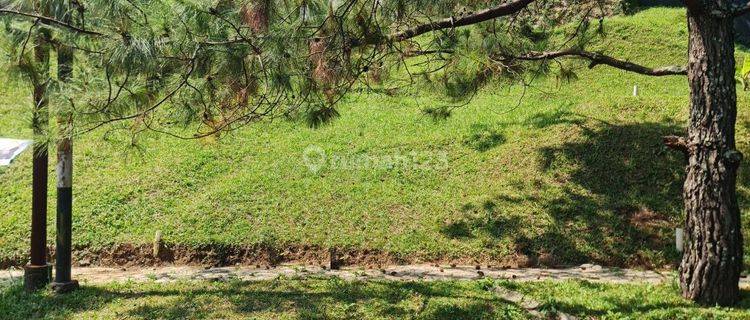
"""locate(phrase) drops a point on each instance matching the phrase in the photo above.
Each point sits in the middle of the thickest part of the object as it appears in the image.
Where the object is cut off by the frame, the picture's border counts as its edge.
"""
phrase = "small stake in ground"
(334, 262)
(157, 244)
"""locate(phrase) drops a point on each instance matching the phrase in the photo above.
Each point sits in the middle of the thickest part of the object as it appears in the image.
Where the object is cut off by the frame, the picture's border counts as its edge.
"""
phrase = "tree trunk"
(713, 257)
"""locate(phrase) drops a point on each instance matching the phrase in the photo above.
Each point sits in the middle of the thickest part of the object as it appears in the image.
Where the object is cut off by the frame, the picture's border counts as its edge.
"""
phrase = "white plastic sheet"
(10, 149)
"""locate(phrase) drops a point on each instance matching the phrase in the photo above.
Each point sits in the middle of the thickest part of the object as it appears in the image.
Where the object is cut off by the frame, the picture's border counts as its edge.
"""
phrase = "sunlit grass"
(566, 171)
(338, 299)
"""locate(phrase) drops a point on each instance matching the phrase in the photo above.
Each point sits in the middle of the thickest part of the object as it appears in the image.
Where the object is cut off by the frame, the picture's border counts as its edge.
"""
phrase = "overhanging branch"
(52, 21)
(469, 19)
(598, 58)
(449, 22)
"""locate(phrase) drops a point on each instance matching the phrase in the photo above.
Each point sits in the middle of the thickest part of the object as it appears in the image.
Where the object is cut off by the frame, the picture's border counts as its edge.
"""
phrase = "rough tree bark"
(713, 258)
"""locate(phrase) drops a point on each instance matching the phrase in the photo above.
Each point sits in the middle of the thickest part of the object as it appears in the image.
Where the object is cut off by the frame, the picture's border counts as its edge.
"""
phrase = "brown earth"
(128, 255)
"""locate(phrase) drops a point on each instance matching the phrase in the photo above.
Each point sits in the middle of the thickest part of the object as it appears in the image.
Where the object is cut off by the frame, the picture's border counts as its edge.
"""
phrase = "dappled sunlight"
(601, 196)
(283, 298)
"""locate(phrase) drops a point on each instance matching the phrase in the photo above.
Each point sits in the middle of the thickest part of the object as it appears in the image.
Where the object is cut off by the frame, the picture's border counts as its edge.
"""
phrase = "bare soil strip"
(162, 255)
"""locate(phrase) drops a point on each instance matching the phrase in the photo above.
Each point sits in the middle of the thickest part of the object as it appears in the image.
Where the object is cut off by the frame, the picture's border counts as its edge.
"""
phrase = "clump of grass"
(437, 113)
(483, 137)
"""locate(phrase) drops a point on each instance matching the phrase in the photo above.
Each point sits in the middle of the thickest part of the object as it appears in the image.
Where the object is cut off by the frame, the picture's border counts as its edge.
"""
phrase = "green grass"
(565, 174)
(623, 301)
(340, 299)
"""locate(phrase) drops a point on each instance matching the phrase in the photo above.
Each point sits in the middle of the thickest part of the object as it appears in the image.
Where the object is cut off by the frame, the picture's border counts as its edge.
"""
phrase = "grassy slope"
(560, 175)
(339, 299)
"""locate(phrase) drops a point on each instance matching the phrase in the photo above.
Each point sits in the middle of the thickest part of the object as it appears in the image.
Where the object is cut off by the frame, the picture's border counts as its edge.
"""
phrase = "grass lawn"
(339, 299)
(575, 172)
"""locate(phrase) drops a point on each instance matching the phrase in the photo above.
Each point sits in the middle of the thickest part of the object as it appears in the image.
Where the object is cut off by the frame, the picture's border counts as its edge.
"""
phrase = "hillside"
(572, 172)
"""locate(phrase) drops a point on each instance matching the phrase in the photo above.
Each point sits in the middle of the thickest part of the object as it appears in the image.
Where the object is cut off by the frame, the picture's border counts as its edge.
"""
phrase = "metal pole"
(63, 244)
(37, 273)
(63, 282)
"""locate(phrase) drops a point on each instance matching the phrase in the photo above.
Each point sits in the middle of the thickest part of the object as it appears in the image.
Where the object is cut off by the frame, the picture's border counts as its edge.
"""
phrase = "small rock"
(586, 266)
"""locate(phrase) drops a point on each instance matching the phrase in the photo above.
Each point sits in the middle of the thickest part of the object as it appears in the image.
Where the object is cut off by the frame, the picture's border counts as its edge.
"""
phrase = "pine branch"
(472, 18)
(415, 53)
(50, 20)
(450, 22)
(598, 58)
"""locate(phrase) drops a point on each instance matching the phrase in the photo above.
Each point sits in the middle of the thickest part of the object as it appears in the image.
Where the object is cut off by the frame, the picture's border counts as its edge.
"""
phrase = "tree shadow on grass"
(631, 301)
(623, 190)
(339, 299)
(303, 299)
(612, 195)
(483, 137)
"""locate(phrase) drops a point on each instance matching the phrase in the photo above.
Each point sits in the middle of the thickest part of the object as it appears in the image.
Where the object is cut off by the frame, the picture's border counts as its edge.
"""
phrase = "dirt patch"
(6, 263)
(130, 255)
(653, 229)
(648, 220)
(142, 255)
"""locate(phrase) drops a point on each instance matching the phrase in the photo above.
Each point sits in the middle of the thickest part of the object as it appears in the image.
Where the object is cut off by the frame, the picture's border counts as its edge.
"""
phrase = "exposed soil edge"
(129, 255)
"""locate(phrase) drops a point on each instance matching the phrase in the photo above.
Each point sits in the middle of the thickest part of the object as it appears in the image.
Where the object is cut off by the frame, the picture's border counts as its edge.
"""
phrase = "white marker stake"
(679, 235)
(635, 90)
